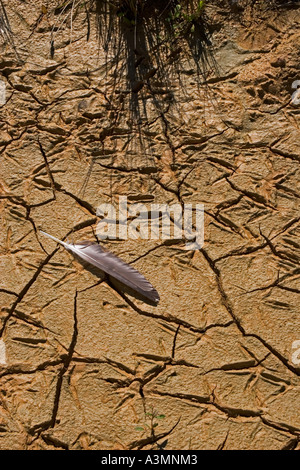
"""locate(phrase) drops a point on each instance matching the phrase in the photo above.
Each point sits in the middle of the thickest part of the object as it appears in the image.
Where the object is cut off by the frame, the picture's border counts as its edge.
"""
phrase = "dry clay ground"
(215, 365)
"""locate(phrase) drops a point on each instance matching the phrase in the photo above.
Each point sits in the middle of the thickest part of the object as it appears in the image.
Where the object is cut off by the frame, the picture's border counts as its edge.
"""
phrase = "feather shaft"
(66, 245)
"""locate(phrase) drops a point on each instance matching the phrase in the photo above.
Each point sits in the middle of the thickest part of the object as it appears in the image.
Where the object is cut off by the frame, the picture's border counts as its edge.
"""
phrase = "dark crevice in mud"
(285, 154)
(14, 139)
(291, 445)
(285, 255)
(240, 367)
(50, 175)
(221, 446)
(237, 321)
(258, 199)
(274, 284)
(288, 289)
(211, 401)
(27, 319)
(123, 169)
(82, 225)
(267, 243)
(170, 318)
(230, 412)
(9, 292)
(241, 252)
(95, 360)
(165, 243)
(280, 426)
(225, 223)
(18, 200)
(56, 187)
(24, 291)
(53, 441)
(228, 204)
(165, 125)
(66, 363)
(21, 370)
(152, 375)
(174, 342)
(84, 204)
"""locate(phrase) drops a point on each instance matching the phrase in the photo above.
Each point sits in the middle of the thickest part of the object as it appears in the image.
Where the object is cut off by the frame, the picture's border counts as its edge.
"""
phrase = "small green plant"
(148, 430)
(150, 423)
(183, 17)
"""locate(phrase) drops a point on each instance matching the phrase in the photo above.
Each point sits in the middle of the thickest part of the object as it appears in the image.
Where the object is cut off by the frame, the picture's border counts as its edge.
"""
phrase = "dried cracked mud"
(86, 365)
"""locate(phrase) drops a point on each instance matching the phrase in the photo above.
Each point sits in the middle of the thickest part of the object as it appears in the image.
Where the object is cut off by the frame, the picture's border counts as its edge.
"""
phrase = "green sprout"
(150, 422)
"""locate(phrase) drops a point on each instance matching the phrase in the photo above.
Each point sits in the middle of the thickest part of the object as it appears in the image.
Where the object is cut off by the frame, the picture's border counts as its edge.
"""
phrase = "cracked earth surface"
(83, 364)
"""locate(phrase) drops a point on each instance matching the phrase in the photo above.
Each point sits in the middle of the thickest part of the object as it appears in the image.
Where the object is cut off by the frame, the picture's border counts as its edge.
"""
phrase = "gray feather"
(95, 255)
